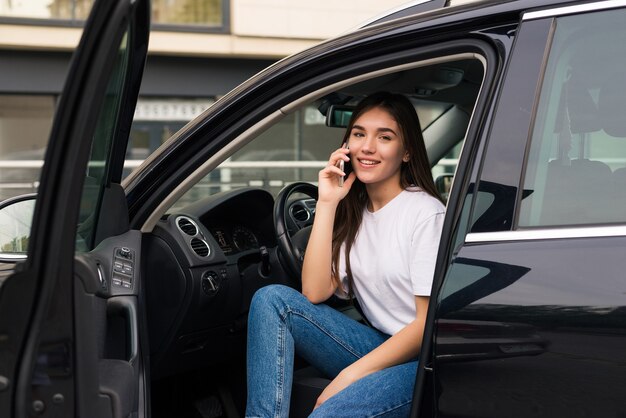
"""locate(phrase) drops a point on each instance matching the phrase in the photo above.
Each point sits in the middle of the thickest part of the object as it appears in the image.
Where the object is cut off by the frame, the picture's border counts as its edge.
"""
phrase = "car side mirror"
(443, 183)
(16, 216)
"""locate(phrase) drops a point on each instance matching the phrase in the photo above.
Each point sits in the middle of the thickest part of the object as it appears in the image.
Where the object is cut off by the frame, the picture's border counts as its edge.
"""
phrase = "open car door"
(69, 343)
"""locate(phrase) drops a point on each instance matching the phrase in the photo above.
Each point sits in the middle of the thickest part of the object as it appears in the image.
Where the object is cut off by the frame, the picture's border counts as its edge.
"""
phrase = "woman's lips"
(368, 163)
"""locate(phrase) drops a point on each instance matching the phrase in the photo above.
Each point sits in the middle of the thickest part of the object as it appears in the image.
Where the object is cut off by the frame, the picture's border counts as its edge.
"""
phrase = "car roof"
(436, 7)
(415, 7)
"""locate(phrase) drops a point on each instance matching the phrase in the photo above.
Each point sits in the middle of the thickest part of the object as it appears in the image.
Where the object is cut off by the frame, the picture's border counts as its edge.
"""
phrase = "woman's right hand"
(329, 188)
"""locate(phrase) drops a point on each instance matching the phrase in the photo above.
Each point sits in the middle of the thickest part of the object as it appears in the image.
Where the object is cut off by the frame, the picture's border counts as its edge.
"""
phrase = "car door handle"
(125, 306)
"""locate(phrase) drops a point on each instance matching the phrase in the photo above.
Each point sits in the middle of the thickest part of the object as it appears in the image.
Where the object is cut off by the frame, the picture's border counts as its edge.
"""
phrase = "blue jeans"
(281, 319)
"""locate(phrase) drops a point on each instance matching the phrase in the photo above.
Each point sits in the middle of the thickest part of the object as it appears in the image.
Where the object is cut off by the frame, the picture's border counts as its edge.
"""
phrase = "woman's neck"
(381, 194)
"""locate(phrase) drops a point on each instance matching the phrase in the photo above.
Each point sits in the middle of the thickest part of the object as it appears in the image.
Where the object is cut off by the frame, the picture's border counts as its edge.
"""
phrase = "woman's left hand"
(339, 383)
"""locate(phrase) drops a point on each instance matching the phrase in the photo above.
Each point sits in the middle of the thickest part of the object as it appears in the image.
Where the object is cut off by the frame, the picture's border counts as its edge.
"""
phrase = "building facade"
(199, 50)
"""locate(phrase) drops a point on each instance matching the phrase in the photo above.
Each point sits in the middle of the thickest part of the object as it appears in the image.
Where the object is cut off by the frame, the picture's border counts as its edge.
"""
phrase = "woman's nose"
(369, 144)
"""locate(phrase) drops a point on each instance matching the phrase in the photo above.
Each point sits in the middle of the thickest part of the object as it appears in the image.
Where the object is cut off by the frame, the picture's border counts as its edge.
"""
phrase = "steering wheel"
(291, 245)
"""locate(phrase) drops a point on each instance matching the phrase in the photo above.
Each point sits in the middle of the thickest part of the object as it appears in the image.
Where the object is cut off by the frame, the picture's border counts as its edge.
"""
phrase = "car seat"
(576, 189)
(612, 111)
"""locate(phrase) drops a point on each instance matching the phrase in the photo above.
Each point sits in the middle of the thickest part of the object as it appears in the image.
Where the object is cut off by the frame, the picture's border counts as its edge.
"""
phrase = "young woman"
(374, 237)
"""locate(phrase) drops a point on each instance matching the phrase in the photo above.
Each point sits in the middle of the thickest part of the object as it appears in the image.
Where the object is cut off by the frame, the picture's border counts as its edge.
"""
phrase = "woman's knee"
(274, 296)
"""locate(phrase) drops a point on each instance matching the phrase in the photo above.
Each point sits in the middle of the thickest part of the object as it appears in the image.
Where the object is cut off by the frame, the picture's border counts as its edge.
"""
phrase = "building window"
(72, 10)
(155, 121)
(25, 123)
(180, 14)
(200, 13)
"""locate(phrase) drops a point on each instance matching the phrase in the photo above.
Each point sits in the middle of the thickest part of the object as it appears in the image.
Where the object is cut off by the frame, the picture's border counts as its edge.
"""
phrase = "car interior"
(223, 233)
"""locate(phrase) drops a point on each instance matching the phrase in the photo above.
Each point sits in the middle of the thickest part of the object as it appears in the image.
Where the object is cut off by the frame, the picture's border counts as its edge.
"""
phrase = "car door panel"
(53, 312)
(107, 322)
(529, 321)
(535, 346)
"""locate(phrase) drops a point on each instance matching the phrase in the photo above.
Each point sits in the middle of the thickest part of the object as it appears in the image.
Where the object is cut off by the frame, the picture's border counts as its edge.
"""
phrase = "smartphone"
(345, 166)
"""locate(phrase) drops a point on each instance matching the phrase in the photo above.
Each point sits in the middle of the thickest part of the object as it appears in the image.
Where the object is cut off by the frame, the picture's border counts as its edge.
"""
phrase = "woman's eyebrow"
(378, 129)
(387, 130)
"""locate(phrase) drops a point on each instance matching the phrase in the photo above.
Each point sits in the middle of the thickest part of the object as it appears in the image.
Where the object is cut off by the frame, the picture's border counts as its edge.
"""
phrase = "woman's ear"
(406, 157)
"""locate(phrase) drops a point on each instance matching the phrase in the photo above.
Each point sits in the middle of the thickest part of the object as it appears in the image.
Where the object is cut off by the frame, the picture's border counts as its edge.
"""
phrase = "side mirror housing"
(443, 183)
(16, 216)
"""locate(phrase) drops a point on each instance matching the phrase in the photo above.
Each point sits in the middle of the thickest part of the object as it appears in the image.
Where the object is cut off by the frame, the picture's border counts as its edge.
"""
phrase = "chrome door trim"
(547, 234)
(580, 8)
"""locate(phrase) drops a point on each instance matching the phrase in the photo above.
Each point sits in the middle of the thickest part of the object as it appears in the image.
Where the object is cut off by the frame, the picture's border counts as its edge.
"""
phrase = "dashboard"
(205, 262)
(235, 239)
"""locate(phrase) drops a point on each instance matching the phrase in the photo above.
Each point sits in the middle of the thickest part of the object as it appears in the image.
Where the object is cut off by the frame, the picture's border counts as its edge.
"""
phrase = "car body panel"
(570, 361)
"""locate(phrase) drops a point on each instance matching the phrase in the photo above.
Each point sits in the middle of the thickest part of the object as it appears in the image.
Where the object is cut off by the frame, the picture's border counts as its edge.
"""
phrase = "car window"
(576, 165)
(96, 176)
(298, 146)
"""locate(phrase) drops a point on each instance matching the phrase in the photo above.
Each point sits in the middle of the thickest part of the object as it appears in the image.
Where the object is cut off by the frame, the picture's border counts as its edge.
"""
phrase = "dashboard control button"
(210, 283)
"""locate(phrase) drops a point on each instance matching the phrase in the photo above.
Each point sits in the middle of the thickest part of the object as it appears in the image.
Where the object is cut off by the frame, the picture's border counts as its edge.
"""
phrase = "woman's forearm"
(317, 282)
(399, 348)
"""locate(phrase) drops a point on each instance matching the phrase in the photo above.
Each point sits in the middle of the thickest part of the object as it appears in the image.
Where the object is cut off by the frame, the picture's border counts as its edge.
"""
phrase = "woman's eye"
(357, 134)
(386, 138)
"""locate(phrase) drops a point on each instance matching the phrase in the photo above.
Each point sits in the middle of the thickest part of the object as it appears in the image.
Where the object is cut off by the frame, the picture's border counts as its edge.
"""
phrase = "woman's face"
(377, 148)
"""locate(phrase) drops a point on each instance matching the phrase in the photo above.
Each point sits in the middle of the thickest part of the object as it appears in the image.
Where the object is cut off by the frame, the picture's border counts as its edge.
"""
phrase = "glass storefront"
(73, 10)
(293, 150)
(25, 123)
(26, 120)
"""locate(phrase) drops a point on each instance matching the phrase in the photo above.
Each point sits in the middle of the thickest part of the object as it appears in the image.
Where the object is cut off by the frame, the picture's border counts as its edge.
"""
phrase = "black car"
(128, 298)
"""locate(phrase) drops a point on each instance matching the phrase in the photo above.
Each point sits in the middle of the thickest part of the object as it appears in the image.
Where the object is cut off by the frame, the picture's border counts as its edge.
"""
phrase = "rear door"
(61, 307)
(530, 319)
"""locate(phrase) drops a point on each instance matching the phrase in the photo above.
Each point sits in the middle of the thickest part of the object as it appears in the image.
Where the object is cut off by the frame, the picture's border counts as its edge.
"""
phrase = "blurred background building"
(199, 50)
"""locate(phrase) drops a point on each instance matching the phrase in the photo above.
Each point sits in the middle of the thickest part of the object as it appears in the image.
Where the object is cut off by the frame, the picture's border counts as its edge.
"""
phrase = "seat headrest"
(612, 105)
(581, 108)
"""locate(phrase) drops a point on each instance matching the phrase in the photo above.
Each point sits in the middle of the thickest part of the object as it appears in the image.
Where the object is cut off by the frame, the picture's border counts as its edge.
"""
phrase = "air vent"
(200, 247)
(187, 226)
(300, 213)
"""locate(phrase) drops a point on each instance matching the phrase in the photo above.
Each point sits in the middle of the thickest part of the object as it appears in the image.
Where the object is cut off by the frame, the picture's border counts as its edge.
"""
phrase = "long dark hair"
(415, 172)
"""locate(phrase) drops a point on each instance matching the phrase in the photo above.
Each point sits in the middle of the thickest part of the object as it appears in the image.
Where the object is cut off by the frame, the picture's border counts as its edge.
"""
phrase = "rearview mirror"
(338, 116)
(16, 216)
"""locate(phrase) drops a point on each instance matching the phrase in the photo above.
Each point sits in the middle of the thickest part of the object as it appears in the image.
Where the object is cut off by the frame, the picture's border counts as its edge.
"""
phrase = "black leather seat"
(308, 385)
(308, 382)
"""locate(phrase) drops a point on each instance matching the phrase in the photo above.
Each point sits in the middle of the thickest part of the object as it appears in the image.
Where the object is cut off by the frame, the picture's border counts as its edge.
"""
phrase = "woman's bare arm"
(400, 348)
(317, 282)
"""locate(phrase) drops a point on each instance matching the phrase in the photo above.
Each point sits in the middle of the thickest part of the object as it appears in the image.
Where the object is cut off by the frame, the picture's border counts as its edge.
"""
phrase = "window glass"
(204, 13)
(188, 12)
(96, 176)
(294, 149)
(156, 120)
(298, 146)
(25, 123)
(47, 9)
(576, 170)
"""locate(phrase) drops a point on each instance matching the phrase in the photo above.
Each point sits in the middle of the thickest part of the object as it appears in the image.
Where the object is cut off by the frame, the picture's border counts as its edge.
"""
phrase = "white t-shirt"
(393, 258)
